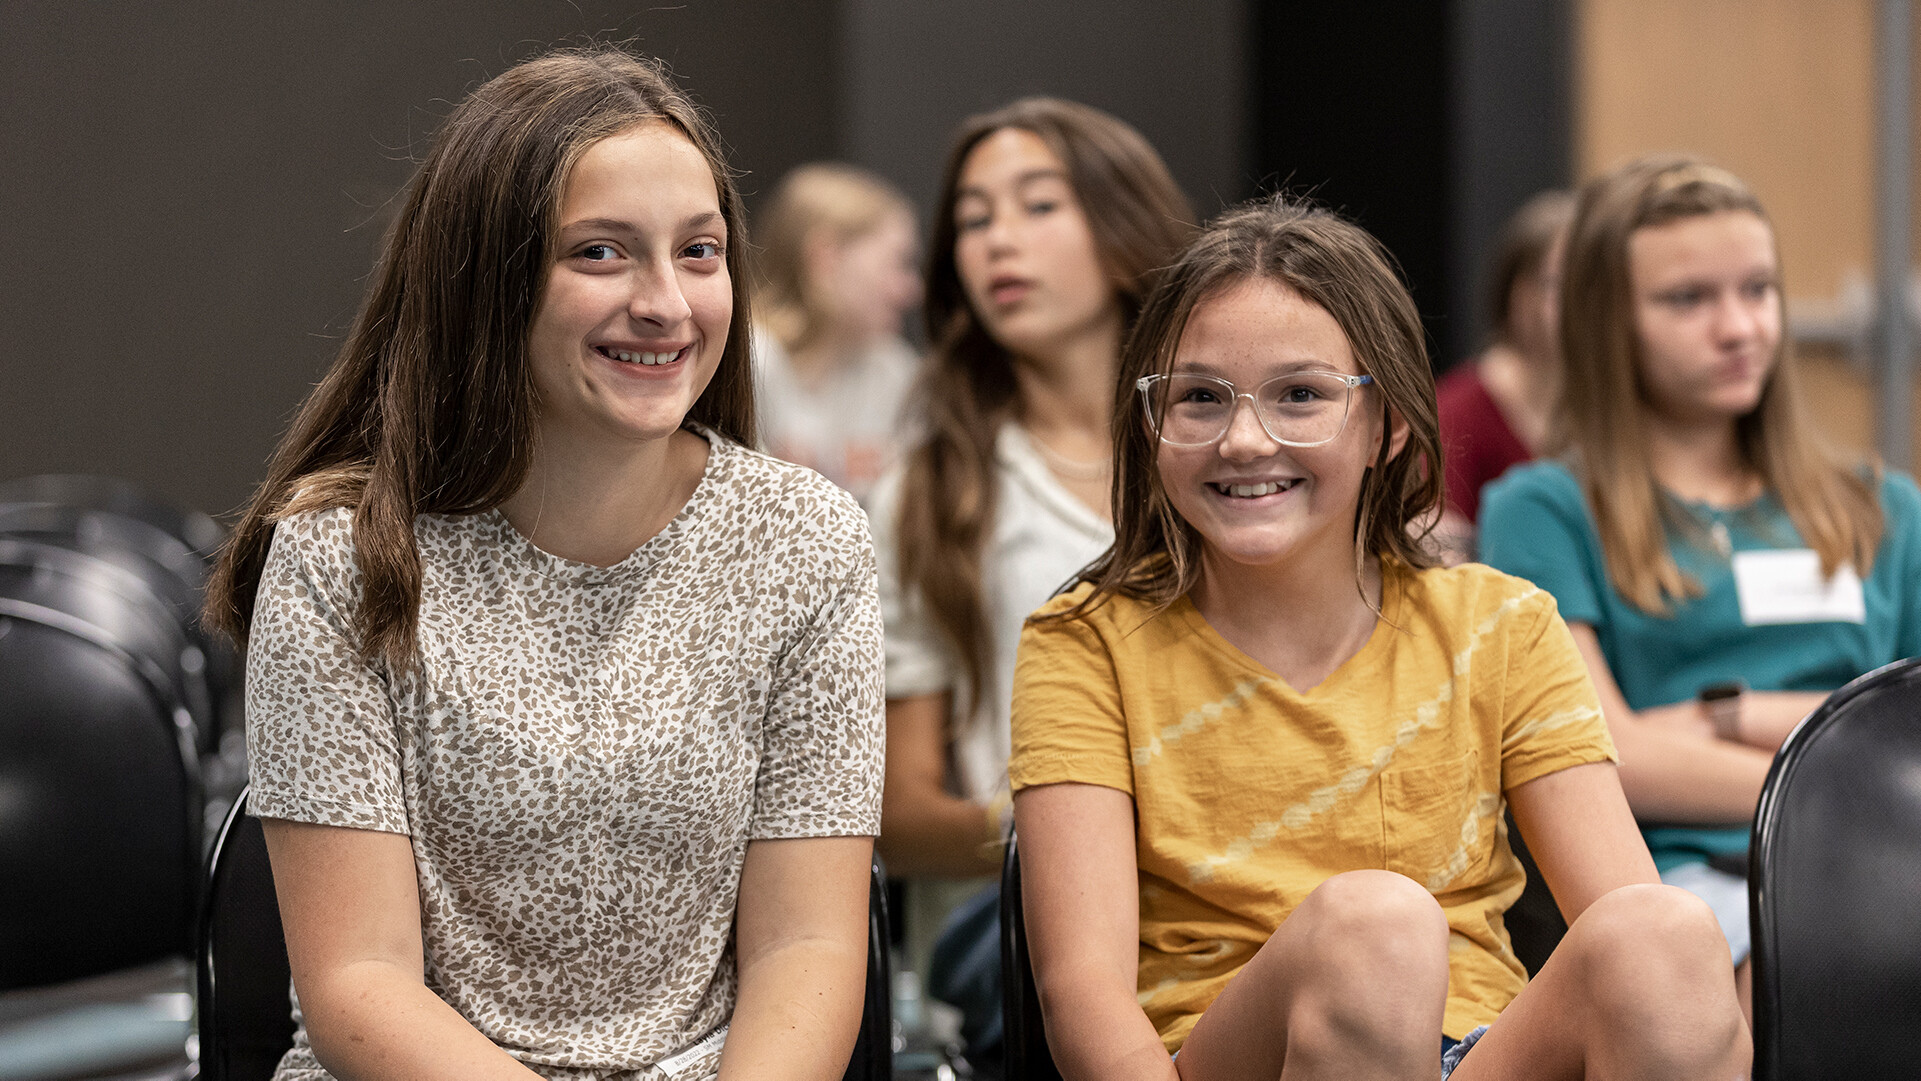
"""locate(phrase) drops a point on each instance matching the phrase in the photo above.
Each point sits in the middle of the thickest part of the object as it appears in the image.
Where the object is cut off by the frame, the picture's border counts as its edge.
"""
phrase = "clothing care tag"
(680, 1060)
(1785, 586)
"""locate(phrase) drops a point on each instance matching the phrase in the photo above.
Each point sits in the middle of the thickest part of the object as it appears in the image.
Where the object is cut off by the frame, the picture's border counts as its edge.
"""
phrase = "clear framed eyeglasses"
(1299, 409)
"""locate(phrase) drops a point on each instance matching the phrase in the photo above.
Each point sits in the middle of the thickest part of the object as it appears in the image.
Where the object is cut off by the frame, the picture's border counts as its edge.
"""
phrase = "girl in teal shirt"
(1695, 535)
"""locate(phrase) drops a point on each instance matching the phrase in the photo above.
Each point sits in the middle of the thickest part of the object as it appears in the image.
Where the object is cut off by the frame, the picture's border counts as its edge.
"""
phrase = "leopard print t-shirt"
(584, 753)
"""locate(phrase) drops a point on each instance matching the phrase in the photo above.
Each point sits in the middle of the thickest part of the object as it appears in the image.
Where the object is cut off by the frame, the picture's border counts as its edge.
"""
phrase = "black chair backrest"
(165, 564)
(1027, 1056)
(1835, 888)
(873, 1058)
(100, 836)
(1534, 922)
(246, 1019)
(117, 602)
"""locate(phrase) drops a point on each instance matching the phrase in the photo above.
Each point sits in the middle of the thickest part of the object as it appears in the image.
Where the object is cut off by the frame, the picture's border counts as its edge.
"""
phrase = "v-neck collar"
(1392, 592)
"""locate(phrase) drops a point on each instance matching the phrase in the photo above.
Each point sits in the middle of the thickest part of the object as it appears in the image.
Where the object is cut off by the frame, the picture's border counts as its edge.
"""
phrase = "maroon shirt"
(1476, 442)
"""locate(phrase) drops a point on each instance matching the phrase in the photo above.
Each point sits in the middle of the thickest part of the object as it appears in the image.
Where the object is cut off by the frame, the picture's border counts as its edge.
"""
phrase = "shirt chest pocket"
(1438, 825)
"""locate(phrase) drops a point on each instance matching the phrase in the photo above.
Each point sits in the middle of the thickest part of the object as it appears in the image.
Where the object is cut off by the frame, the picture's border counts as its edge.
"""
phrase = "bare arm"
(800, 943)
(1673, 769)
(1582, 835)
(1081, 894)
(1768, 716)
(351, 911)
(924, 829)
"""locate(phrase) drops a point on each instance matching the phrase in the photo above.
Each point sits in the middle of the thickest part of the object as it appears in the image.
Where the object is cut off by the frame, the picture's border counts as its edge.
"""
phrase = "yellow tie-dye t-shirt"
(1248, 794)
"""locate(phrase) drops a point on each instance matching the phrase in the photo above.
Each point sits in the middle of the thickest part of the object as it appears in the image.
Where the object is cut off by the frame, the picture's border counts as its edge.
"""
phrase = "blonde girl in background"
(1720, 569)
(1262, 750)
(1051, 216)
(839, 272)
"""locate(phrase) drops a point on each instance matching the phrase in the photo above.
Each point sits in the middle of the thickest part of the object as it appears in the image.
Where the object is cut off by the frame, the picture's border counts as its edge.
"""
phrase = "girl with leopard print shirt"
(564, 706)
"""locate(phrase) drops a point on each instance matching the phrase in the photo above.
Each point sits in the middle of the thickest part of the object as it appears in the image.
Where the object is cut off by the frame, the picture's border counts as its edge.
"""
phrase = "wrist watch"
(1721, 701)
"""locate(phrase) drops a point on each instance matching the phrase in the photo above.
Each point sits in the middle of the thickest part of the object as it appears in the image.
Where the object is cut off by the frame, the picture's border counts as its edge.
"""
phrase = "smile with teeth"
(649, 359)
(1253, 491)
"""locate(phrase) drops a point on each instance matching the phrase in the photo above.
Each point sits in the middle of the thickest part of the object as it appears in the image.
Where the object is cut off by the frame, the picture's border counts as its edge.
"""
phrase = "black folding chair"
(100, 837)
(246, 1017)
(1027, 1056)
(1834, 889)
(165, 563)
(121, 605)
(246, 1023)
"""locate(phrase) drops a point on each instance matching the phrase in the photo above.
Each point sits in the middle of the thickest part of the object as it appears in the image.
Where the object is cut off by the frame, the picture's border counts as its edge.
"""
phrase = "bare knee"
(1368, 913)
(1369, 957)
(1655, 936)
(1657, 966)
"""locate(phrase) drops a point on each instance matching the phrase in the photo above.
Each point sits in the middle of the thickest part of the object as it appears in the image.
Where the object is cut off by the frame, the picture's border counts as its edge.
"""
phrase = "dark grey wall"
(191, 195)
(1427, 121)
(913, 69)
(1512, 113)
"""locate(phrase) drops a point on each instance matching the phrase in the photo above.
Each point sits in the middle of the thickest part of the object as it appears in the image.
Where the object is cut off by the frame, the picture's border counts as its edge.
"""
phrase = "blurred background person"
(838, 275)
(1495, 407)
(1721, 571)
(1051, 217)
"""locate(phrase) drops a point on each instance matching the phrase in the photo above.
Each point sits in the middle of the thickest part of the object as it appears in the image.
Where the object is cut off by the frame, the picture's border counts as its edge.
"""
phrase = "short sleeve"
(919, 659)
(321, 742)
(1552, 717)
(1069, 724)
(1534, 525)
(823, 737)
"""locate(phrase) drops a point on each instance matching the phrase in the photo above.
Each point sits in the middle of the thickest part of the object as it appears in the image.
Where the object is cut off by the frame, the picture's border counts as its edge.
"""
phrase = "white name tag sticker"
(672, 1065)
(1785, 586)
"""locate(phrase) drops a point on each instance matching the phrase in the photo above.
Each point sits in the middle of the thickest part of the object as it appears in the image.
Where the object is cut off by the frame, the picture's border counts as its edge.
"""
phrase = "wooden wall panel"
(1779, 91)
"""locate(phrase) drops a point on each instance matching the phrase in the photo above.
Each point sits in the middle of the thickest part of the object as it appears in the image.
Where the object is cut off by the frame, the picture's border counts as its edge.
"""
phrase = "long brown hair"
(1602, 410)
(429, 407)
(1138, 218)
(1337, 265)
(843, 201)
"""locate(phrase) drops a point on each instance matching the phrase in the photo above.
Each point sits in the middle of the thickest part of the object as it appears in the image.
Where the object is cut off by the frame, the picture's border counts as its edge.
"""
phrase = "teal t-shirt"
(1535, 524)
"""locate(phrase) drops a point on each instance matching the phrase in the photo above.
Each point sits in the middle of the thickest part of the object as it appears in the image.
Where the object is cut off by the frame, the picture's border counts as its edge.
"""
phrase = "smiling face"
(1023, 249)
(1707, 309)
(1253, 501)
(634, 316)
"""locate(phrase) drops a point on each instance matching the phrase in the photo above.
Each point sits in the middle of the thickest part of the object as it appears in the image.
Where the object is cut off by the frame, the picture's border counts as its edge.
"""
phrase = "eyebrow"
(703, 220)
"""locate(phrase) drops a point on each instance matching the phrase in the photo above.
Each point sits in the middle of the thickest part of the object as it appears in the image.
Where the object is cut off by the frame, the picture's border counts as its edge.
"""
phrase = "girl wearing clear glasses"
(1262, 750)
(1720, 570)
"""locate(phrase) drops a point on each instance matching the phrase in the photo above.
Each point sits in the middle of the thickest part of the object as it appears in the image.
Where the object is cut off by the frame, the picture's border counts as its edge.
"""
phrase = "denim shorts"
(1452, 1050)
(1726, 894)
